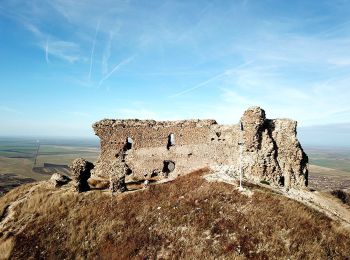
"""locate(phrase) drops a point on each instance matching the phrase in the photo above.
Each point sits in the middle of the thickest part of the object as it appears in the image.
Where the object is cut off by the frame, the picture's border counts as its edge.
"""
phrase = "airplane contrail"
(227, 72)
(199, 85)
(117, 67)
(93, 49)
(47, 51)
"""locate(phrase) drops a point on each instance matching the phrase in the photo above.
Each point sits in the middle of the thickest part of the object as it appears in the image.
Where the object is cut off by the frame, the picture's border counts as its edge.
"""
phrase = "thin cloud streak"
(204, 83)
(93, 49)
(107, 53)
(334, 29)
(116, 68)
(65, 50)
(47, 51)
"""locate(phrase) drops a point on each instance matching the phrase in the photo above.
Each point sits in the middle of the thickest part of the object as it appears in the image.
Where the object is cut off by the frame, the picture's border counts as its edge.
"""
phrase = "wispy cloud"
(64, 50)
(29, 18)
(195, 53)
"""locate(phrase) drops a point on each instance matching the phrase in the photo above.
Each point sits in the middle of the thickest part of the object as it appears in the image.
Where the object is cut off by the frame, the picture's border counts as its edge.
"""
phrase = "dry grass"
(6, 248)
(186, 218)
(13, 195)
(98, 184)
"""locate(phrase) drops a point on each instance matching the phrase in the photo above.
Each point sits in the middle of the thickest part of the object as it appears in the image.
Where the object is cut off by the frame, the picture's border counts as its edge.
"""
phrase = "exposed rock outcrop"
(58, 179)
(252, 126)
(81, 170)
(272, 151)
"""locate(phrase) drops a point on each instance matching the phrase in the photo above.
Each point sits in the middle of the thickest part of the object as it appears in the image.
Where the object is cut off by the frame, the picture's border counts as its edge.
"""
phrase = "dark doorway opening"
(168, 167)
(129, 143)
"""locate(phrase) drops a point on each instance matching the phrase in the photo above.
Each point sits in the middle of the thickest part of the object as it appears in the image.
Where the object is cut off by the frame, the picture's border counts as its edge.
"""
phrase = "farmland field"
(329, 167)
(331, 157)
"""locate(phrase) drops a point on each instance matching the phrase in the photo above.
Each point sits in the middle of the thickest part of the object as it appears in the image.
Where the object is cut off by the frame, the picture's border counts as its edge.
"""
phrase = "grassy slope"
(187, 218)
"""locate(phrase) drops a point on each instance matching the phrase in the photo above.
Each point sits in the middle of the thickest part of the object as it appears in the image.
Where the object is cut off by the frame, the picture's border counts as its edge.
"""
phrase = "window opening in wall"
(129, 143)
(281, 181)
(171, 141)
(128, 170)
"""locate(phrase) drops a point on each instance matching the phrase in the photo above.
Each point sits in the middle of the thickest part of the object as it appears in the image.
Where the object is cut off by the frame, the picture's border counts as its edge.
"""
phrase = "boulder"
(81, 171)
(58, 179)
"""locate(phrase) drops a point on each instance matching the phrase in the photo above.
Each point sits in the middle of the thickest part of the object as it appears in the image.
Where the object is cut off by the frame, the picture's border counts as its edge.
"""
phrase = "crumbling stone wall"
(267, 149)
(271, 150)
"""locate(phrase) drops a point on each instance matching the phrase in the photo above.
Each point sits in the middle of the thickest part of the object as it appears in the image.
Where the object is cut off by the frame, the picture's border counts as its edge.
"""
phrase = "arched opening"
(171, 141)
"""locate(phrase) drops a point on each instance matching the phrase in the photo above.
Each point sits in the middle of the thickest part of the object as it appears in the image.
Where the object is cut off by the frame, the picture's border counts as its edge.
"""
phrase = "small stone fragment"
(58, 179)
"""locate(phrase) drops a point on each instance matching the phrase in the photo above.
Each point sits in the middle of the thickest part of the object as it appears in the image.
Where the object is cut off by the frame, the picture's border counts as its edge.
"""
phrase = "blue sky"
(66, 64)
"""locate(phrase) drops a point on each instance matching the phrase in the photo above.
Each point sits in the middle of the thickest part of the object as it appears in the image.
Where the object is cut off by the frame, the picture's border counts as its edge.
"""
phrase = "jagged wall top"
(129, 123)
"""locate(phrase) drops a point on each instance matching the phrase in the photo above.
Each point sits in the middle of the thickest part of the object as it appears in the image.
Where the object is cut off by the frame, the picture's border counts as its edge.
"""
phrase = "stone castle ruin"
(264, 149)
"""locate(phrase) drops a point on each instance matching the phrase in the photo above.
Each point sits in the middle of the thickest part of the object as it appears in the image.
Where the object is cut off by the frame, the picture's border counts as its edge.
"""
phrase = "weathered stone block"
(81, 171)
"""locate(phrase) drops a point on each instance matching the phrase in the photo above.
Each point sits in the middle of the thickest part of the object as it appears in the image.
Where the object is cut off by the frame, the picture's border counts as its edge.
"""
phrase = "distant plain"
(25, 160)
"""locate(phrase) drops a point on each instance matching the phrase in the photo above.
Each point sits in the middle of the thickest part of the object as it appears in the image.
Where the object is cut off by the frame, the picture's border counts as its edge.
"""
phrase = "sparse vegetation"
(186, 218)
(13, 195)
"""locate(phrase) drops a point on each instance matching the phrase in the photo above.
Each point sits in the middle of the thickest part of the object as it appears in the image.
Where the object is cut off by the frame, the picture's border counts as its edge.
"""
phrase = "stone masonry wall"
(268, 149)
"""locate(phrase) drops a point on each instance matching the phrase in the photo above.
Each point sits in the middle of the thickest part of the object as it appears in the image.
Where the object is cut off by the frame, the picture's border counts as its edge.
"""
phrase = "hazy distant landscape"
(24, 160)
(331, 157)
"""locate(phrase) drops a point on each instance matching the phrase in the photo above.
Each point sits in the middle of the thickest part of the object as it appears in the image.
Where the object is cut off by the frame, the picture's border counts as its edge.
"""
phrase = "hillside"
(189, 217)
